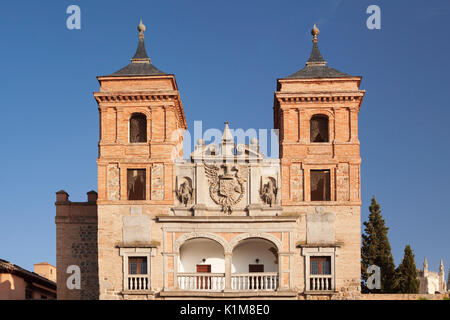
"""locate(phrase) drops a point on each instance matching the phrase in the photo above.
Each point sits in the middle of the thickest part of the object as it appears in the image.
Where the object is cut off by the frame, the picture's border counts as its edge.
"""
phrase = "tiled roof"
(316, 67)
(8, 267)
(140, 64)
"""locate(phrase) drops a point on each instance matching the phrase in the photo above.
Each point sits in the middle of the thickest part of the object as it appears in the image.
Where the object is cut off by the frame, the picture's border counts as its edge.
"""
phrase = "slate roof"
(316, 67)
(140, 64)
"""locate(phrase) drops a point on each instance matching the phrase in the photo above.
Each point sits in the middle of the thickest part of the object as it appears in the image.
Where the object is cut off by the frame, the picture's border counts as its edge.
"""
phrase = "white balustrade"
(137, 282)
(201, 281)
(254, 281)
(320, 282)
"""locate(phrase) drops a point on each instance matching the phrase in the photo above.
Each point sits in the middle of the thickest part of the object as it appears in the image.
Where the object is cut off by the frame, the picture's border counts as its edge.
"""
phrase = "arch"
(207, 235)
(319, 128)
(236, 240)
(137, 127)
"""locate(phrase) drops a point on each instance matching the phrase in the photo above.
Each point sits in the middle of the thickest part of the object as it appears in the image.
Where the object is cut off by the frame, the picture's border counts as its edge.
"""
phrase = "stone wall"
(404, 296)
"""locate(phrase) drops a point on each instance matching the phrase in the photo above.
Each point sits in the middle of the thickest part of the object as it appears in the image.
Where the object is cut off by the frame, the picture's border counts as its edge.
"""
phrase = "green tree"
(406, 274)
(376, 250)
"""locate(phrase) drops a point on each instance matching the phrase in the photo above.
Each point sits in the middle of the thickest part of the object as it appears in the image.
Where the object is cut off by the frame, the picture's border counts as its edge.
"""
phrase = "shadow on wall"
(6, 293)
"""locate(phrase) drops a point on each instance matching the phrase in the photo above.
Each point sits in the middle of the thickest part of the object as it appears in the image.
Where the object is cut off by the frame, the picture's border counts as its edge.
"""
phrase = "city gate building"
(228, 222)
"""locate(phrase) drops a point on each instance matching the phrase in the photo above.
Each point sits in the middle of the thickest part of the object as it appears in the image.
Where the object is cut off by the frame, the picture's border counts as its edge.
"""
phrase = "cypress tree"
(406, 278)
(376, 250)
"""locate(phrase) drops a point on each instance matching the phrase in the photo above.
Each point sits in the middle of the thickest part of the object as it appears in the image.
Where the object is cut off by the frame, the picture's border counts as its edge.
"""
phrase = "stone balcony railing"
(137, 282)
(254, 281)
(201, 281)
(267, 281)
(321, 282)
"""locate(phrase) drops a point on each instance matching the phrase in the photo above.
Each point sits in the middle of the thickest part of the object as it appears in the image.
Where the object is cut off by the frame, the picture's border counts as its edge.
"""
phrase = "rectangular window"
(136, 184)
(320, 265)
(320, 185)
(137, 265)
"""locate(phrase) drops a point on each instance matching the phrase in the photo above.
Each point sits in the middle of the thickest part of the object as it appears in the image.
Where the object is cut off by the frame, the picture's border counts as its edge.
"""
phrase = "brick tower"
(316, 110)
(141, 118)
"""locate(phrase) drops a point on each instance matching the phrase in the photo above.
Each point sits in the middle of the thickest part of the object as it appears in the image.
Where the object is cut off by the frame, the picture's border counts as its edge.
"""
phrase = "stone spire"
(228, 144)
(441, 267)
(425, 266)
(227, 136)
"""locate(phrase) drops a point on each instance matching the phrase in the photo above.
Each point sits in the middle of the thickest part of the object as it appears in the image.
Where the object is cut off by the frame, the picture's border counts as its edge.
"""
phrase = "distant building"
(432, 282)
(45, 270)
(17, 283)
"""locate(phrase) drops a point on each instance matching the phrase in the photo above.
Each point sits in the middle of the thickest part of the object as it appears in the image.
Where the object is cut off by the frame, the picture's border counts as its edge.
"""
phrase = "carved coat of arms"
(228, 188)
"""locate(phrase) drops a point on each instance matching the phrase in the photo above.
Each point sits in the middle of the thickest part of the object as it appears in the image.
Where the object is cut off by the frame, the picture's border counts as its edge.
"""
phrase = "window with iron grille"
(138, 128)
(319, 128)
(136, 184)
(320, 185)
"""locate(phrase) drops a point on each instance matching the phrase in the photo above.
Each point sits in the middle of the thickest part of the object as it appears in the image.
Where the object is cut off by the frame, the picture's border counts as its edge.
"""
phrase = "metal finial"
(141, 29)
(315, 32)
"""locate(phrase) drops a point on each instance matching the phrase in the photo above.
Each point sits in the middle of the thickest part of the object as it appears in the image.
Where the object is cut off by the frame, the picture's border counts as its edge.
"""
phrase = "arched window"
(319, 128)
(138, 128)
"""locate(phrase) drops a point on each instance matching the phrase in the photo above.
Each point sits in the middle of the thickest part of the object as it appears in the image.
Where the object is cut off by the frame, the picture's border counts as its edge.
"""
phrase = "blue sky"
(226, 56)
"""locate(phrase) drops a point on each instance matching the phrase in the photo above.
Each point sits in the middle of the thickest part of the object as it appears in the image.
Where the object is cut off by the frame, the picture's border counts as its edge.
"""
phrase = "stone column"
(227, 271)
(280, 272)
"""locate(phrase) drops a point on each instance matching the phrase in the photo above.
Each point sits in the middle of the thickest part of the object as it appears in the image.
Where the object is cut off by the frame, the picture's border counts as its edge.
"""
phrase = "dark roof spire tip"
(316, 66)
(141, 54)
(141, 64)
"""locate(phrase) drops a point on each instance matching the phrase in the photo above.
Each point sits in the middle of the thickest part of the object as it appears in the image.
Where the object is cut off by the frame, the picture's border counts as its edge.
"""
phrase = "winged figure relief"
(226, 184)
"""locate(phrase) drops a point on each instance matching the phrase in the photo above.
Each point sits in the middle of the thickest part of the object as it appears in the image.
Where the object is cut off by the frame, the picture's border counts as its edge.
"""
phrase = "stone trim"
(136, 245)
(228, 294)
(235, 241)
(315, 245)
(193, 235)
(125, 253)
(319, 250)
(222, 219)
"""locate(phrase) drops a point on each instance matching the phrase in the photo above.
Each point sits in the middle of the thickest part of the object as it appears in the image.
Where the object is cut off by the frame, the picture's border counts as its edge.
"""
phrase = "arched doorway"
(254, 265)
(201, 265)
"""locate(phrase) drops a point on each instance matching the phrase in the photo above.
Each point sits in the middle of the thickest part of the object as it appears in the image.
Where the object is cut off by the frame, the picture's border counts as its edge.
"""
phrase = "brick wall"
(76, 244)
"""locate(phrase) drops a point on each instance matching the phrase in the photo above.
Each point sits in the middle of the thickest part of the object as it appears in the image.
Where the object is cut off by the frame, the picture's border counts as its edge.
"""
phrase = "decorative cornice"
(322, 98)
(126, 97)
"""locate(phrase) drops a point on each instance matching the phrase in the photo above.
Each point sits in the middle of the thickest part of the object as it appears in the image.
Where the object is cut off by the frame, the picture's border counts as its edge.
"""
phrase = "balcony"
(322, 282)
(254, 281)
(201, 281)
(137, 282)
(263, 281)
